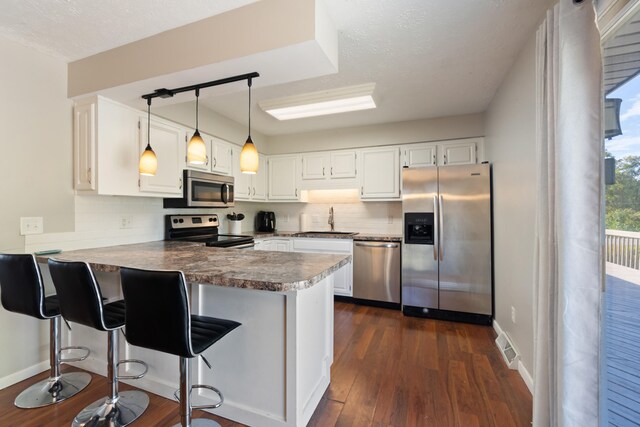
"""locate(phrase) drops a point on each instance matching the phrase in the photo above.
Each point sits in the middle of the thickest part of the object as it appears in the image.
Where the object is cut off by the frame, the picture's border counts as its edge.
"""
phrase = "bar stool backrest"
(21, 286)
(78, 293)
(157, 310)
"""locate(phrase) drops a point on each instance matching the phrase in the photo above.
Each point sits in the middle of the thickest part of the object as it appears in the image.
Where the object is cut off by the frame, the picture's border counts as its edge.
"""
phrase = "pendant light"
(148, 164)
(197, 149)
(249, 154)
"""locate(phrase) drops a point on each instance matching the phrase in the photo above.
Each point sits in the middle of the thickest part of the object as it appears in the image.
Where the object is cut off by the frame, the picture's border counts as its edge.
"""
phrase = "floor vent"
(510, 355)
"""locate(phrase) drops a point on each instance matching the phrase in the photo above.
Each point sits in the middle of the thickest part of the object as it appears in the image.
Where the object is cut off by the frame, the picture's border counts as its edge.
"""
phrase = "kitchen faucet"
(331, 218)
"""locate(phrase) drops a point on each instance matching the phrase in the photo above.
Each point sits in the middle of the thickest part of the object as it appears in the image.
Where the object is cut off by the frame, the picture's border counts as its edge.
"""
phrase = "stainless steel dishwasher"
(376, 271)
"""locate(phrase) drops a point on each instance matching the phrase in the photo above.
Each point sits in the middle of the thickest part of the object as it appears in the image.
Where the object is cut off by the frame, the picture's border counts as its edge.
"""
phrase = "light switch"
(31, 225)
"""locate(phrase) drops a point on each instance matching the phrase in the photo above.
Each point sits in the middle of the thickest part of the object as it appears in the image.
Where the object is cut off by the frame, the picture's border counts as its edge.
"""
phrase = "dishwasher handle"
(378, 245)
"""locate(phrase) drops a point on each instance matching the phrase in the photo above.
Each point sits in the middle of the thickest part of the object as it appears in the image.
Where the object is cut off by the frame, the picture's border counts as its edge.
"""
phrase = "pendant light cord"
(197, 97)
(249, 84)
(148, 124)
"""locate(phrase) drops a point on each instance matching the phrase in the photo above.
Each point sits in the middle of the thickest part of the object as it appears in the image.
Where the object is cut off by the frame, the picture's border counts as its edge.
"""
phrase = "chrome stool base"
(200, 422)
(52, 390)
(106, 413)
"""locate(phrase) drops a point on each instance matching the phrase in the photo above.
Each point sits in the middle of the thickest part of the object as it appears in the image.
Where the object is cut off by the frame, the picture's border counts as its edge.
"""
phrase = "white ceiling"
(74, 29)
(428, 58)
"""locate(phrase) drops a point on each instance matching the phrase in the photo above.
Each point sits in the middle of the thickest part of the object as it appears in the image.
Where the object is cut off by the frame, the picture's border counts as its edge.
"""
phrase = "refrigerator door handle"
(441, 232)
(435, 229)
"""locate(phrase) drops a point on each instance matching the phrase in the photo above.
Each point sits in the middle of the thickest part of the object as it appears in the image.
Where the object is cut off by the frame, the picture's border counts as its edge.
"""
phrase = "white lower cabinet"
(343, 278)
(276, 244)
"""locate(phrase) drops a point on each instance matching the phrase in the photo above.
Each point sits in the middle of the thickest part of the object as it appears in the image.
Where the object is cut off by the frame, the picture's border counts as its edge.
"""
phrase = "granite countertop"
(358, 236)
(239, 268)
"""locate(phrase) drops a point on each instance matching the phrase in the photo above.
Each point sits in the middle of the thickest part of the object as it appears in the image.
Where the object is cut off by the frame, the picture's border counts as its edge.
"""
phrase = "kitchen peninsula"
(274, 369)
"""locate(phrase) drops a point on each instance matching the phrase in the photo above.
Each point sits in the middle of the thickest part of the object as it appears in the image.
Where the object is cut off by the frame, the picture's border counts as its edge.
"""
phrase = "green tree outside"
(623, 198)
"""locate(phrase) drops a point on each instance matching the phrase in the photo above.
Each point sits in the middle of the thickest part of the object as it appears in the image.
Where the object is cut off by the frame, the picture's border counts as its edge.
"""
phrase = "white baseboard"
(526, 376)
(16, 377)
(522, 370)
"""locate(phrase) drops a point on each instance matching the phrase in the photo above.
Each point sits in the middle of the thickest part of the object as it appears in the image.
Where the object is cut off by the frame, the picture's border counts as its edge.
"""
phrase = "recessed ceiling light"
(351, 98)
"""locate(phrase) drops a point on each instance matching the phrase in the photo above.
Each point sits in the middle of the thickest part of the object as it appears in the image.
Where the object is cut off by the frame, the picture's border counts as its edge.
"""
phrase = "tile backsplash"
(111, 220)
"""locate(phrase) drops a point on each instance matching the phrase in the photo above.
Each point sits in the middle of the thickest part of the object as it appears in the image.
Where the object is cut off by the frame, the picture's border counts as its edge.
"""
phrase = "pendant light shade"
(197, 149)
(249, 157)
(148, 164)
(249, 154)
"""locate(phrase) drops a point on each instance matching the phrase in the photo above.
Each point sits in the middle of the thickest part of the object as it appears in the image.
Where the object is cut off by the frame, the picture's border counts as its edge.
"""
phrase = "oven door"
(209, 193)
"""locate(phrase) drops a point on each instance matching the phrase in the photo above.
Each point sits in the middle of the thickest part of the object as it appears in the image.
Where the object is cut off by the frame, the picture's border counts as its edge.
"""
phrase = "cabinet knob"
(181, 183)
(207, 163)
(89, 175)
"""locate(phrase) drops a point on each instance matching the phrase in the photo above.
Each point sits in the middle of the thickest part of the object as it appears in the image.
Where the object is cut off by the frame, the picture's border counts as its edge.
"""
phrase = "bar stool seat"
(22, 291)
(159, 318)
(81, 302)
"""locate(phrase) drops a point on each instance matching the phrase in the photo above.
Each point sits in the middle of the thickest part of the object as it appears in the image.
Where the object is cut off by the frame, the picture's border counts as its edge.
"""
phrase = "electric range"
(203, 228)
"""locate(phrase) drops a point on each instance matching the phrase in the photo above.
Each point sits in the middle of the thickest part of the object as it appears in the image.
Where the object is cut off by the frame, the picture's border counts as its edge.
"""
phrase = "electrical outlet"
(513, 314)
(31, 225)
(390, 219)
(285, 218)
(126, 221)
(315, 219)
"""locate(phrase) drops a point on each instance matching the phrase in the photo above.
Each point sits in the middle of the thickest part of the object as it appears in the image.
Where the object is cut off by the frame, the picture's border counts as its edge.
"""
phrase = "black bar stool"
(22, 291)
(159, 318)
(81, 302)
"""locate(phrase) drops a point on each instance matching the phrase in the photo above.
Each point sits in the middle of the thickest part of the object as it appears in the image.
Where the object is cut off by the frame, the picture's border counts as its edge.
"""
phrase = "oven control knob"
(210, 219)
(181, 220)
(175, 220)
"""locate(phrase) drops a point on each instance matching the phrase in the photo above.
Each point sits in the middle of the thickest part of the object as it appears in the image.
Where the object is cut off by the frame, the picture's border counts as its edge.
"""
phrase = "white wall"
(439, 129)
(36, 177)
(98, 222)
(510, 145)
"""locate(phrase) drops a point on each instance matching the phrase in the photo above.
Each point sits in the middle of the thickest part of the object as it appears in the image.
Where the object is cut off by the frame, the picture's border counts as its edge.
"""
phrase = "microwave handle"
(225, 193)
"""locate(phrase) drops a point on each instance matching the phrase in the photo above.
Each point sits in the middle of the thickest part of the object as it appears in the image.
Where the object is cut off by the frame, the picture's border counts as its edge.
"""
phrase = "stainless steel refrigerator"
(446, 248)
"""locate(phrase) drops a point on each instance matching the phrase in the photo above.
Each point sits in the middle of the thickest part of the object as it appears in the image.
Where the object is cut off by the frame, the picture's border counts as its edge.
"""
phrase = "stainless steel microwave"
(203, 190)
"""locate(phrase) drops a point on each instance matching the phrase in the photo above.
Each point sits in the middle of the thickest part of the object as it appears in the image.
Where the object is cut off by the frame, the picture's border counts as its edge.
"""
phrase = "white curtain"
(568, 219)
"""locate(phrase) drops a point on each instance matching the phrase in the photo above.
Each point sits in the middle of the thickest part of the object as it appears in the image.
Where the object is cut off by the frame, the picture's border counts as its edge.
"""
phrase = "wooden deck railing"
(623, 248)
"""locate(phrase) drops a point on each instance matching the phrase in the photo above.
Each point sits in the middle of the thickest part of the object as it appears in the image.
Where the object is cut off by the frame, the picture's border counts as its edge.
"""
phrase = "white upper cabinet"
(418, 155)
(457, 153)
(315, 166)
(222, 158)
(283, 177)
(207, 141)
(343, 164)
(380, 173)
(167, 142)
(105, 148)
(329, 170)
(84, 147)
(259, 180)
(248, 186)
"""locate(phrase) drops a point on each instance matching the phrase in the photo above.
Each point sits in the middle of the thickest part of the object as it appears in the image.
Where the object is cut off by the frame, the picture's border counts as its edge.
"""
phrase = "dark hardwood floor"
(388, 370)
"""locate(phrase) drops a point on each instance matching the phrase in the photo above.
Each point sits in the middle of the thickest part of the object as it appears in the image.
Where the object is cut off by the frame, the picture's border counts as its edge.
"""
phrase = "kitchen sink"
(325, 233)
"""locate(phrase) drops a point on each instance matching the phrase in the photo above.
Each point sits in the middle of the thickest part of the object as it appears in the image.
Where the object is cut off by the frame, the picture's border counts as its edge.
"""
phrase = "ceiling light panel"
(352, 98)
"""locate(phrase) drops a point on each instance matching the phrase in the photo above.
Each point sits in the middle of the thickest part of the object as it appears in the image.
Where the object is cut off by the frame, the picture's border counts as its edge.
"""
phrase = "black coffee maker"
(266, 221)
